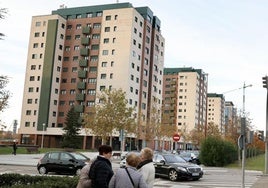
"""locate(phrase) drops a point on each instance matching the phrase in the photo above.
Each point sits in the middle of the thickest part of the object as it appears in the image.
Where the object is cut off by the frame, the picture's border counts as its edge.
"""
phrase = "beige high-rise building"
(184, 99)
(215, 114)
(74, 53)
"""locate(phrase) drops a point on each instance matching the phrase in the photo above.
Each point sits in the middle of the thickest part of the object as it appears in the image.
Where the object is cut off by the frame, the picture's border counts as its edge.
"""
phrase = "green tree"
(3, 12)
(4, 94)
(72, 128)
(111, 114)
(217, 152)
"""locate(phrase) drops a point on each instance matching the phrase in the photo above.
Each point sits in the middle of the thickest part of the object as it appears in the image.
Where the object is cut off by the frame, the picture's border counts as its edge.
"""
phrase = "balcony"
(84, 52)
(85, 41)
(80, 97)
(79, 108)
(81, 85)
(83, 63)
(82, 74)
(86, 30)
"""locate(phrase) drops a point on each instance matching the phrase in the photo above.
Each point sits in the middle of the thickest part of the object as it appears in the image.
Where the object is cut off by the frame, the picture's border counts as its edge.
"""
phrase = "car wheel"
(78, 171)
(173, 175)
(42, 170)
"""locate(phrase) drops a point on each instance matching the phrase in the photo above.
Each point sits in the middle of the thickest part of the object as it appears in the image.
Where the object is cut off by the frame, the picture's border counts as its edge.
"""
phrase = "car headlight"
(181, 169)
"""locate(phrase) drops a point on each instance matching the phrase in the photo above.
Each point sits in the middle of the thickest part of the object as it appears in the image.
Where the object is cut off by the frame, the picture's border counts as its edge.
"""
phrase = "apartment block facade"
(184, 99)
(215, 114)
(75, 53)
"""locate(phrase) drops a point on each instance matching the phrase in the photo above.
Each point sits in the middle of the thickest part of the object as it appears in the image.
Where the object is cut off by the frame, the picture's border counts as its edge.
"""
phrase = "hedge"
(20, 181)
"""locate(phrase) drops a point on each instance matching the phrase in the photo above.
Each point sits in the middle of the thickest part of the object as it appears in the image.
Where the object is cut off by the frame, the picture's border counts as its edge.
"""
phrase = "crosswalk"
(214, 178)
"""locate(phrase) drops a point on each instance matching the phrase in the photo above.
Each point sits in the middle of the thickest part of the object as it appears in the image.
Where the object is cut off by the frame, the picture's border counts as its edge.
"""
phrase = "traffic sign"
(176, 137)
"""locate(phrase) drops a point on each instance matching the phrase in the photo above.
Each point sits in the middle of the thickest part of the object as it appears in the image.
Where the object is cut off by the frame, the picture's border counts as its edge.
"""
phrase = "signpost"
(176, 137)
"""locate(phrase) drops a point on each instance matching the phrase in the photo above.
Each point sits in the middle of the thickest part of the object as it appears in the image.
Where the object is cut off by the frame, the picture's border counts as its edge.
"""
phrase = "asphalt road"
(213, 177)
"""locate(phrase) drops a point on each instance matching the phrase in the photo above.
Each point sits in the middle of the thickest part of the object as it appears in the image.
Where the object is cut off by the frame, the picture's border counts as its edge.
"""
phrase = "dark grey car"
(62, 162)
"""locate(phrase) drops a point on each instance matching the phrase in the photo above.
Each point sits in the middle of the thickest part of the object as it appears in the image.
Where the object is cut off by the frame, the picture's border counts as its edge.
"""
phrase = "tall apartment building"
(215, 110)
(231, 119)
(74, 53)
(184, 99)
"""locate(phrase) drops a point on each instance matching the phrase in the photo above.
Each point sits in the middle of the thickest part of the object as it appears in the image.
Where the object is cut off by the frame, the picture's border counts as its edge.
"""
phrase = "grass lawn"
(254, 163)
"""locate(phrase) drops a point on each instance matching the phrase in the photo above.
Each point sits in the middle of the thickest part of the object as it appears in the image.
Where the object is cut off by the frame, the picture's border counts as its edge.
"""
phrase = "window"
(95, 47)
(34, 56)
(78, 26)
(31, 78)
(69, 27)
(29, 101)
(102, 88)
(30, 89)
(37, 34)
(95, 36)
(78, 16)
(67, 48)
(68, 37)
(91, 91)
(90, 103)
(106, 40)
(76, 48)
(105, 52)
(96, 25)
(89, 15)
(104, 64)
(99, 14)
(37, 24)
(92, 80)
(33, 67)
(108, 18)
(111, 76)
(72, 91)
(77, 37)
(107, 29)
(28, 112)
(35, 45)
(74, 69)
(103, 76)
(115, 28)
(115, 17)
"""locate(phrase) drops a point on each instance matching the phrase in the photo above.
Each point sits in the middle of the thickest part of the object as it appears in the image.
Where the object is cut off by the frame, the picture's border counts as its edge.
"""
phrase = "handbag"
(130, 177)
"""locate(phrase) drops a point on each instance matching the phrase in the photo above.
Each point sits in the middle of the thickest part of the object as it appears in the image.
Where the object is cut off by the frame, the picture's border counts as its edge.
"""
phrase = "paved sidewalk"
(262, 182)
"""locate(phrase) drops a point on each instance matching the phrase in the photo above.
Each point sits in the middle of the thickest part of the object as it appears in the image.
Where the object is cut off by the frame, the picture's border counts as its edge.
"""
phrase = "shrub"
(217, 152)
(20, 181)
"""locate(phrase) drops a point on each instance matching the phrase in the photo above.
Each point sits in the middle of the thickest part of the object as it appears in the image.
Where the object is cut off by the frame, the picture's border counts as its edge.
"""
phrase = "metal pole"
(42, 142)
(266, 136)
(244, 137)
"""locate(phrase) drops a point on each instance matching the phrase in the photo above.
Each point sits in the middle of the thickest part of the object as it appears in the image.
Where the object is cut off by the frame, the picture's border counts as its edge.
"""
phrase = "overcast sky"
(227, 39)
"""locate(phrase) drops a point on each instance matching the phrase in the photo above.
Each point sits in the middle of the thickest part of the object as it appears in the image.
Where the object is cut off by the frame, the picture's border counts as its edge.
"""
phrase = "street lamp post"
(42, 142)
(265, 85)
(243, 134)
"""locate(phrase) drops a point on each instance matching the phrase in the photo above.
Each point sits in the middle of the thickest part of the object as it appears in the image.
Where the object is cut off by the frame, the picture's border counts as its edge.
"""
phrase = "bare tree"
(3, 12)
(4, 94)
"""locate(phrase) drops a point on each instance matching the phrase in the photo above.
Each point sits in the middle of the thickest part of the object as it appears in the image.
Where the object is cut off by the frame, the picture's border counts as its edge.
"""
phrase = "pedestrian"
(146, 166)
(84, 180)
(101, 170)
(128, 176)
(14, 148)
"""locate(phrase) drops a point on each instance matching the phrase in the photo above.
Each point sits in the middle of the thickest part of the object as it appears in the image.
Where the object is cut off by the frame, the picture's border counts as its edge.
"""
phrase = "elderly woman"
(129, 176)
(146, 166)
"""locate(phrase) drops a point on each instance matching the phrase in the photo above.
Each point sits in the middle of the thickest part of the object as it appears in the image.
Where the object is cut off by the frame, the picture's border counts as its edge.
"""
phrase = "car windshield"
(174, 159)
(79, 156)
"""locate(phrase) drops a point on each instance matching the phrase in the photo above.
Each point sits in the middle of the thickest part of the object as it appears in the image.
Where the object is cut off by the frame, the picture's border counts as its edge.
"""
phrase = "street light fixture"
(42, 142)
(265, 85)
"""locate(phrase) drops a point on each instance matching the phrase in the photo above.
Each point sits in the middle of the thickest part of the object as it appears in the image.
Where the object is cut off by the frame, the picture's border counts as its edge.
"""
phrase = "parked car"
(174, 167)
(191, 157)
(62, 162)
(123, 162)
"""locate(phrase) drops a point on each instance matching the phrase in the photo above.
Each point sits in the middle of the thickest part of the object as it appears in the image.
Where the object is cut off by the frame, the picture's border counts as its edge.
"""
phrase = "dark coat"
(101, 172)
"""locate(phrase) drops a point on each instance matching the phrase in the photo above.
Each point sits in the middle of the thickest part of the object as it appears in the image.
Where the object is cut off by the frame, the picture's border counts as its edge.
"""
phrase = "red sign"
(176, 137)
